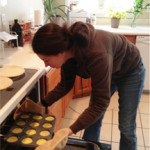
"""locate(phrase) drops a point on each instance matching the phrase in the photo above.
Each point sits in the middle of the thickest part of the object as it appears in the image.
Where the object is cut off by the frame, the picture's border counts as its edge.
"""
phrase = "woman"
(112, 62)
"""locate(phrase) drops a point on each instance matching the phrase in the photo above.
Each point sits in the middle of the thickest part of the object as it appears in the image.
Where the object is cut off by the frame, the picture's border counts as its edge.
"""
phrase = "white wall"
(19, 9)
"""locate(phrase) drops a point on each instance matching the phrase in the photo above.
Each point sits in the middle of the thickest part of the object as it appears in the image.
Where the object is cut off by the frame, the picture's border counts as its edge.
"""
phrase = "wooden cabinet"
(82, 87)
(131, 38)
(66, 101)
(59, 108)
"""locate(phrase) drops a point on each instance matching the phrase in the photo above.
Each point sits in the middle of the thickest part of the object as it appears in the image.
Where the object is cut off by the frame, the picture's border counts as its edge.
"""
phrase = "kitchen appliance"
(20, 88)
(32, 91)
(26, 85)
(143, 44)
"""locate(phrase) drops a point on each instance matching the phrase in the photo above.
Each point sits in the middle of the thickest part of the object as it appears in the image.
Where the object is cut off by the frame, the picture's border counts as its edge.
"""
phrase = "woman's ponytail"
(81, 34)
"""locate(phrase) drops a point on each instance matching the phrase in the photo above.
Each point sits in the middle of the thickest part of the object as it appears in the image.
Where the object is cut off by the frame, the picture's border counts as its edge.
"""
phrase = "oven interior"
(7, 123)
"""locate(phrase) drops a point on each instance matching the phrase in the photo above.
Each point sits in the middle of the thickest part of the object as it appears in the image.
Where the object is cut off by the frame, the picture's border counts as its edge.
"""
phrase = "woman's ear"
(61, 54)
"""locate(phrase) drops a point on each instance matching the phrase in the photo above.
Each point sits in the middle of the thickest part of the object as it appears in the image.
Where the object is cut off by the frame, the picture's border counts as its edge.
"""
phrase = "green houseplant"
(138, 8)
(52, 12)
(115, 15)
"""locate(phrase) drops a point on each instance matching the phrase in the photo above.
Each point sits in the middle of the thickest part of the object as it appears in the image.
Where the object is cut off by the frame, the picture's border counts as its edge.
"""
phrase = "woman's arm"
(100, 67)
(68, 74)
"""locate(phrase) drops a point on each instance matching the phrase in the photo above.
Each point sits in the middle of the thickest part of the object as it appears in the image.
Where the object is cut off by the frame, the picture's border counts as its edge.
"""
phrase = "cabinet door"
(82, 87)
(66, 101)
(56, 109)
(131, 38)
(78, 92)
(86, 85)
(52, 79)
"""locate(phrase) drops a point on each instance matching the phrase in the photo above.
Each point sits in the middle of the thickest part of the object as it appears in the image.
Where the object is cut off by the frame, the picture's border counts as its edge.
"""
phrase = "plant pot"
(115, 22)
(58, 20)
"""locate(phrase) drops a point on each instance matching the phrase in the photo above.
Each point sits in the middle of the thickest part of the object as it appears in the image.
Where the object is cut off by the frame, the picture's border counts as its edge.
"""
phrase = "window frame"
(100, 13)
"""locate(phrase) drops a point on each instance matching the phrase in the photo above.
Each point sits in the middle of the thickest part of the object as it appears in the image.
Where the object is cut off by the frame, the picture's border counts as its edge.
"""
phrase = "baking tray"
(24, 123)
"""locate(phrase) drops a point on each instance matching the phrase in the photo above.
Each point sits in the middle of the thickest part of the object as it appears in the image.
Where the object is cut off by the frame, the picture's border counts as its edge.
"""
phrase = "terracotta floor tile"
(105, 132)
(115, 134)
(145, 120)
(115, 146)
(80, 104)
(146, 133)
(108, 117)
(139, 137)
(113, 102)
(144, 108)
(115, 117)
(145, 98)
(141, 148)
(71, 114)
(66, 123)
(138, 120)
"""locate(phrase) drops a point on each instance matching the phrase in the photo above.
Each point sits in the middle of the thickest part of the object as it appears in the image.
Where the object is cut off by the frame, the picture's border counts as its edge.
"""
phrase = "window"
(99, 7)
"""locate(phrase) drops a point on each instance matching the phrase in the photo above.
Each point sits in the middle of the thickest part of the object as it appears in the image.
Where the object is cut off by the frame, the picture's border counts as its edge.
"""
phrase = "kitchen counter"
(26, 58)
(126, 30)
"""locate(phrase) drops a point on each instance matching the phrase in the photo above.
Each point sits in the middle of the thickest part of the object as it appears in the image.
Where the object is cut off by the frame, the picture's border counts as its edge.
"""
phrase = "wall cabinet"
(59, 108)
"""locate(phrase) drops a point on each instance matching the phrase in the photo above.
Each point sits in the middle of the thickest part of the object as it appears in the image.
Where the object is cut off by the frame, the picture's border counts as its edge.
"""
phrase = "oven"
(26, 85)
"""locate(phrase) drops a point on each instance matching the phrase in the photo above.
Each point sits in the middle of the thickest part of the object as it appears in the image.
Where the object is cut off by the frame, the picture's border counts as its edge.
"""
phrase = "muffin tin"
(31, 130)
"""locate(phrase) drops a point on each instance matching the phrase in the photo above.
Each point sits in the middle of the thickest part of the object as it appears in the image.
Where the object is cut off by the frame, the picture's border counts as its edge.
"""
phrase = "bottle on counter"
(88, 19)
(18, 29)
(93, 19)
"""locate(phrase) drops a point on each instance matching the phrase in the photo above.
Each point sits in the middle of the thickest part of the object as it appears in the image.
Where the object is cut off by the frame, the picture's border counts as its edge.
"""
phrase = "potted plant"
(115, 15)
(54, 13)
(138, 8)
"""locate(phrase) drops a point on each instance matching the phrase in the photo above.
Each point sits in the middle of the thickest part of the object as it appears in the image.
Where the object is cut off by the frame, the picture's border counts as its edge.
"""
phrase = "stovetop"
(18, 82)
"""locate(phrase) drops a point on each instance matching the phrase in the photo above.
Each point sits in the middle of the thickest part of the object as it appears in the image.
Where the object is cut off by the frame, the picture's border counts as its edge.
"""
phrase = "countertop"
(126, 30)
(26, 58)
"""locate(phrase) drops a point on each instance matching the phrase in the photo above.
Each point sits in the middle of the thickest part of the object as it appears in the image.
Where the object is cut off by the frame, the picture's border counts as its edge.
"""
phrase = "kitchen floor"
(110, 132)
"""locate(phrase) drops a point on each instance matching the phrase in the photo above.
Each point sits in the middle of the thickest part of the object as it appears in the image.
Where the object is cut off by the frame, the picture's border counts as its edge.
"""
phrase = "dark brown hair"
(52, 39)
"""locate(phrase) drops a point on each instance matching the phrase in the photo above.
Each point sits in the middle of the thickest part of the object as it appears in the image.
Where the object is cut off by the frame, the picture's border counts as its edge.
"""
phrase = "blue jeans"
(129, 88)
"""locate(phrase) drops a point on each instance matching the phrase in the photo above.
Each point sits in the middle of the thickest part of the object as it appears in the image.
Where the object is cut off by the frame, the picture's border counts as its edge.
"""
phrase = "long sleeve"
(68, 74)
(101, 70)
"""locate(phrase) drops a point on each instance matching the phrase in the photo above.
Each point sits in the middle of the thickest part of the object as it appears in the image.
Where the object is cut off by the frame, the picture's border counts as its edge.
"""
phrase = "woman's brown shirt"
(110, 57)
